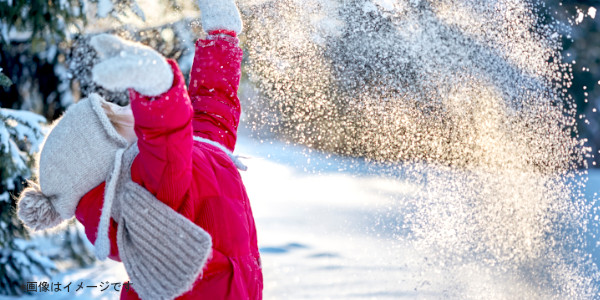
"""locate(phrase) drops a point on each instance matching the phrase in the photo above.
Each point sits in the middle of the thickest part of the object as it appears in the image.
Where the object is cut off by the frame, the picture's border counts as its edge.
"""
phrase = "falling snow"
(466, 98)
(592, 12)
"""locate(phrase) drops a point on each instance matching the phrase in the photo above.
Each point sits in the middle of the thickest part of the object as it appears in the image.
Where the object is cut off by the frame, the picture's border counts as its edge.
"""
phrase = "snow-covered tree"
(4, 80)
(35, 39)
(20, 136)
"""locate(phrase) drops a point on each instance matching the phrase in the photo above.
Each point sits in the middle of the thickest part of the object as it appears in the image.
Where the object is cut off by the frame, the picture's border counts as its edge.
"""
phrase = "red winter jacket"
(196, 179)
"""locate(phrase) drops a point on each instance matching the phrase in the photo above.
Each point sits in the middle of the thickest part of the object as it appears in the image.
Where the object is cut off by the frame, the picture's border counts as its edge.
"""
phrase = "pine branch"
(5, 82)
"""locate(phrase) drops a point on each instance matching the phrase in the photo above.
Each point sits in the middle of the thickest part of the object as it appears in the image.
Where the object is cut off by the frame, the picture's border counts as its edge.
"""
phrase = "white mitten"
(220, 14)
(125, 64)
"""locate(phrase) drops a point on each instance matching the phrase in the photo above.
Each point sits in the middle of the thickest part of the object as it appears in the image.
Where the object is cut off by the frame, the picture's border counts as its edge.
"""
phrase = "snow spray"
(466, 99)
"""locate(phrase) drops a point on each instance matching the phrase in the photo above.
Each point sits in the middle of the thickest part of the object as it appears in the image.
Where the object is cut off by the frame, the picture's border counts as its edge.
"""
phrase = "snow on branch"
(21, 134)
(22, 125)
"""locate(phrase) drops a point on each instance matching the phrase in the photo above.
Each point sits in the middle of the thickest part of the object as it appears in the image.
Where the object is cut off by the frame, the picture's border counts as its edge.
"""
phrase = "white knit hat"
(77, 156)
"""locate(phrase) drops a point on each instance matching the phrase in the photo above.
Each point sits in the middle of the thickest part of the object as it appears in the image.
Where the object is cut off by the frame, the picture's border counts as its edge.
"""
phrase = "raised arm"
(216, 72)
(162, 111)
(164, 130)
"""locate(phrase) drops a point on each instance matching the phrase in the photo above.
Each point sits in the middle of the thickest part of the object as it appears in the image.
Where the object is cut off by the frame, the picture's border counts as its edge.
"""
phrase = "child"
(185, 141)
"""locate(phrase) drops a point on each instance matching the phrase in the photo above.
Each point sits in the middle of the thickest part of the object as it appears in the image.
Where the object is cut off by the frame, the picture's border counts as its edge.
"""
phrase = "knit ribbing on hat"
(106, 124)
(162, 251)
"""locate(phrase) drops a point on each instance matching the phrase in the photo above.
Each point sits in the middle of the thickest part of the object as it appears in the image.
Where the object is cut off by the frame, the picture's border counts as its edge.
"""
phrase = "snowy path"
(325, 229)
(316, 231)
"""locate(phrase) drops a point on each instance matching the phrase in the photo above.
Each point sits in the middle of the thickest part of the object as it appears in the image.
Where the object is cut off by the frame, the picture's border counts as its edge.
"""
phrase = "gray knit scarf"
(163, 252)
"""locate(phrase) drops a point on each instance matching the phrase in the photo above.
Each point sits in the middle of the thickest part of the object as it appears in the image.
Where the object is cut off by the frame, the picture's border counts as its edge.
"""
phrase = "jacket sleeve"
(88, 214)
(164, 130)
(214, 82)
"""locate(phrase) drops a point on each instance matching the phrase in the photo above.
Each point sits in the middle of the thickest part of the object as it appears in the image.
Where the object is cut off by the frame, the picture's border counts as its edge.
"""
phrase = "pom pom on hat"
(36, 210)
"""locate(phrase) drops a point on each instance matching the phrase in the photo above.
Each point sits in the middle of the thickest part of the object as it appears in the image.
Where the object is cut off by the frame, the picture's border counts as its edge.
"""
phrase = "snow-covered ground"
(326, 231)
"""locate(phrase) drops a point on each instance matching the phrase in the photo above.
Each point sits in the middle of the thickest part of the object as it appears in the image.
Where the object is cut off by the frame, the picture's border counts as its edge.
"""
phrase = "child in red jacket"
(185, 141)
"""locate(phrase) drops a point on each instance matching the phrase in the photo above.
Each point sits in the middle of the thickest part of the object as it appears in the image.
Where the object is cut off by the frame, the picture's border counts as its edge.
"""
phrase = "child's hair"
(121, 118)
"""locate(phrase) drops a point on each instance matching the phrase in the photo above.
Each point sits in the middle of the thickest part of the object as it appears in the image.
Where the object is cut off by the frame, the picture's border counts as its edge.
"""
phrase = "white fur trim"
(102, 244)
(233, 157)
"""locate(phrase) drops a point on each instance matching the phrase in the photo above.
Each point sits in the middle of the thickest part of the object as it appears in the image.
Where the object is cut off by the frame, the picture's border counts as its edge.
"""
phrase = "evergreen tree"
(35, 39)
(20, 136)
